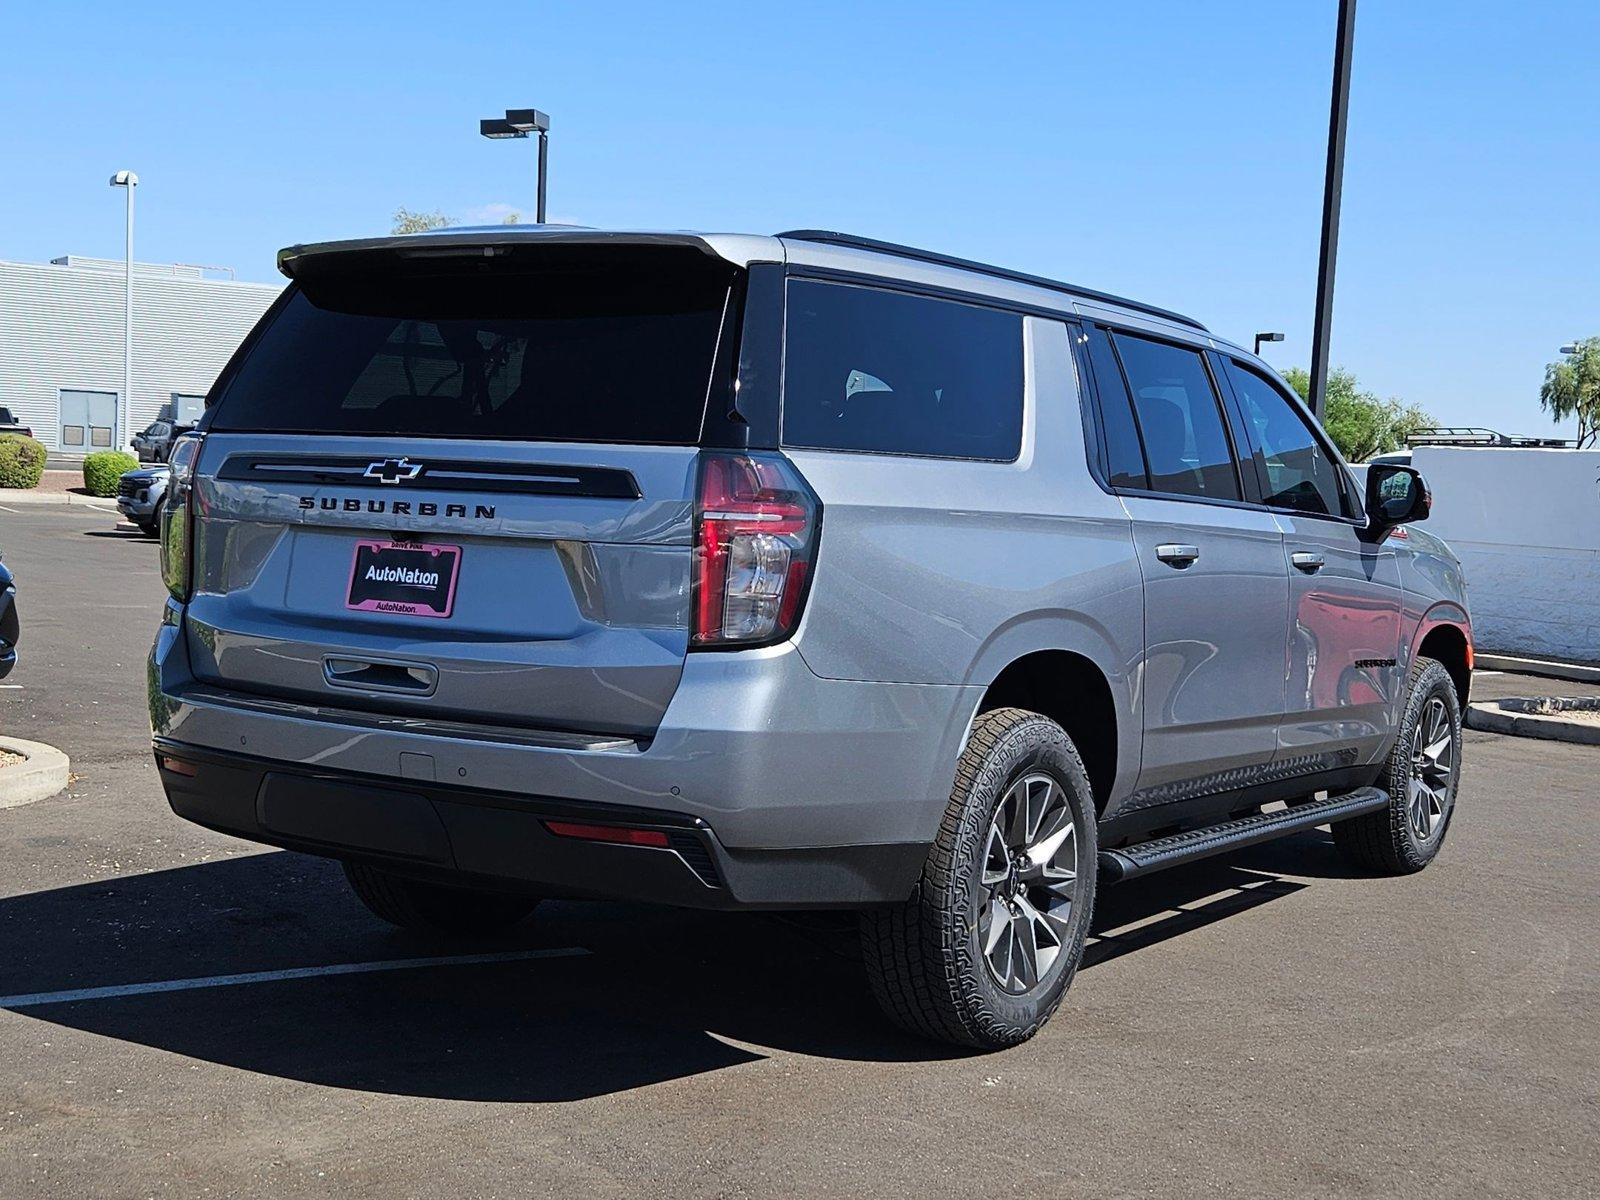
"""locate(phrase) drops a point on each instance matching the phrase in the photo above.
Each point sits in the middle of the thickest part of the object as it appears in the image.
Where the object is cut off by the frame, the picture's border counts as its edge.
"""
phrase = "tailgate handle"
(380, 675)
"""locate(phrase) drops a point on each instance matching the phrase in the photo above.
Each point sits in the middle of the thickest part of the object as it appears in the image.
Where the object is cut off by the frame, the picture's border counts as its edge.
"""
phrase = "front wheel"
(1421, 776)
(983, 952)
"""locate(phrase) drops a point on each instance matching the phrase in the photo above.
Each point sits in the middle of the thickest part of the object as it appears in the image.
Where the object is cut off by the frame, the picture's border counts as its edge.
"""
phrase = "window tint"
(867, 369)
(1185, 442)
(601, 354)
(1125, 457)
(1298, 473)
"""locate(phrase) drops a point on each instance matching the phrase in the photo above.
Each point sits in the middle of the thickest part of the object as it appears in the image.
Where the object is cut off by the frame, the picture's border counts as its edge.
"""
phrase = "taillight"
(756, 526)
(177, 523)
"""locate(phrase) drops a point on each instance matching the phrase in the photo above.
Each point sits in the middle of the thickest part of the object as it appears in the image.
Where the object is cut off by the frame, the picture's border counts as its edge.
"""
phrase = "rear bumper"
(805, 792)
(501, 841)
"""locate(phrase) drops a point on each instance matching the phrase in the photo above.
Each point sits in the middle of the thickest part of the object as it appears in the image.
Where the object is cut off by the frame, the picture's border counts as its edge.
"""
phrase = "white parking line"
(14, 511)
(28, 999)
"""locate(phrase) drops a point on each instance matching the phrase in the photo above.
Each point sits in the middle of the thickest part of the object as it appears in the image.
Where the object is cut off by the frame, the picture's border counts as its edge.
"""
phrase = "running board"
(1127, 862)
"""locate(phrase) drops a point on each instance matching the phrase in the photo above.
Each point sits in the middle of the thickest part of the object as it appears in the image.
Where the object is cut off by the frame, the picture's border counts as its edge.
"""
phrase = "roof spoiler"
(315, 258)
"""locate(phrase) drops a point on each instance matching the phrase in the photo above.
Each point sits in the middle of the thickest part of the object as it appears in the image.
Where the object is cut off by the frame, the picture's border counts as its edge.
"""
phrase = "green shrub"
(21, 461)
(103, 468)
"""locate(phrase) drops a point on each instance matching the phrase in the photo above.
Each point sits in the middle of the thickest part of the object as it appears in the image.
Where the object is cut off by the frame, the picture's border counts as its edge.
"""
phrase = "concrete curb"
(1543, 667)
(44, 773)
(1491, 718)
(21, 498)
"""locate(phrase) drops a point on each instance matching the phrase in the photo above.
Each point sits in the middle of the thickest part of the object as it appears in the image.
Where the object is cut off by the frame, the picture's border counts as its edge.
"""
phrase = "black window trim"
(910, 288)
(1319, 435)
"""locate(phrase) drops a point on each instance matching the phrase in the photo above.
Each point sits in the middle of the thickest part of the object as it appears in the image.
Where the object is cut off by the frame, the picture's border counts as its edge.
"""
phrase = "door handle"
(1177, 555)
(1308, 561)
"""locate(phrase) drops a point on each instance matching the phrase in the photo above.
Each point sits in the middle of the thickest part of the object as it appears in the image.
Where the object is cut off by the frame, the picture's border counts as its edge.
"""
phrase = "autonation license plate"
(413, 579)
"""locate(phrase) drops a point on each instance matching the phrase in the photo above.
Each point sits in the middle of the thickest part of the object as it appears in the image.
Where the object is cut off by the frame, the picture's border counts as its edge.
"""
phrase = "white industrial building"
(61, 342)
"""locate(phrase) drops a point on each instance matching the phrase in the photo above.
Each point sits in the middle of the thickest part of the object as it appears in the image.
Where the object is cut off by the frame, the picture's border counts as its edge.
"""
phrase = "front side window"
(874, 370)
(1298, 473)
(1185, 442)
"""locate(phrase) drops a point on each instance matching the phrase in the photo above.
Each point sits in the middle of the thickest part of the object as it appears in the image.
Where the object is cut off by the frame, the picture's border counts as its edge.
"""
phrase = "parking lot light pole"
(519, 123)
(128, 180)
(1332, 193)
(1266, 337)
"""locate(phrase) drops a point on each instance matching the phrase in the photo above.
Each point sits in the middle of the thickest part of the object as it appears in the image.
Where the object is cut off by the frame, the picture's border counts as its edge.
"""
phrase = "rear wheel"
(1421, 777)
(983, 952)
(435, 907)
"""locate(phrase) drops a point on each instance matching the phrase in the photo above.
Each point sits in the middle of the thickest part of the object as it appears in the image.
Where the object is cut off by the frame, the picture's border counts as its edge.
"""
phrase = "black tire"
(1389, 842)
(924, 960)
(435, 907)
(152, 527)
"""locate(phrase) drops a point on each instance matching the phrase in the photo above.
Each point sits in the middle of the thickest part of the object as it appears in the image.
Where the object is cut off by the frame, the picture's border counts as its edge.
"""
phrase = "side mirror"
(1396, 495)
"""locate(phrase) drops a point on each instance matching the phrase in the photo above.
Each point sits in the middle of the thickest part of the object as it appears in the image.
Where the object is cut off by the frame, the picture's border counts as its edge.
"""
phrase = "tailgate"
(463, 488)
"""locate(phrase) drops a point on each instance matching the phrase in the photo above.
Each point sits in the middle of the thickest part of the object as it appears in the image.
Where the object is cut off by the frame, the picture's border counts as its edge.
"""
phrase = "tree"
(1360, 423)
(406, 221)
(1572, 389)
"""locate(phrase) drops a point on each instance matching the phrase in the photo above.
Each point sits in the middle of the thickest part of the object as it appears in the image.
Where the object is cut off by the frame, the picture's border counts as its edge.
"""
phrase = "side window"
(1124, 455)
(870, 369)
(1185, 441)
(1298, 473)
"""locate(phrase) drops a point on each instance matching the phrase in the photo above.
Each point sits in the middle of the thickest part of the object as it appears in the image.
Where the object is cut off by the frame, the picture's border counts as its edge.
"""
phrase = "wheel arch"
(1094, 706)
(1444, 634)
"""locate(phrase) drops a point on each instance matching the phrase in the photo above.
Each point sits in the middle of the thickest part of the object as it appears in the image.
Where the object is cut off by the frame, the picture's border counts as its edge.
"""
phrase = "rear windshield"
(610, 352)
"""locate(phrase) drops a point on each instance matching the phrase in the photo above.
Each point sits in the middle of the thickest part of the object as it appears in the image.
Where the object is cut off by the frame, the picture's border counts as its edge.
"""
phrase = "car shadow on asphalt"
(662, 994)
(122, 533)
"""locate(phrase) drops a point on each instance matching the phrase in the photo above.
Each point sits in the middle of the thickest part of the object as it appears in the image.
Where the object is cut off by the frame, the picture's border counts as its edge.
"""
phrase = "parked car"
(10, 424)
(142, 494)
(10, 623)
(783, 573)
(153, 444)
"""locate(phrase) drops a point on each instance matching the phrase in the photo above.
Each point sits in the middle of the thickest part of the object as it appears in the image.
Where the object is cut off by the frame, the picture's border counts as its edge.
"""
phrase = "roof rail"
(829, 237)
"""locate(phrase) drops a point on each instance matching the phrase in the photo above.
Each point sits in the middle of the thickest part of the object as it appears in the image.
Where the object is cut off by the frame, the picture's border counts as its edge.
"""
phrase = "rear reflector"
(178, 767)
(617, 834)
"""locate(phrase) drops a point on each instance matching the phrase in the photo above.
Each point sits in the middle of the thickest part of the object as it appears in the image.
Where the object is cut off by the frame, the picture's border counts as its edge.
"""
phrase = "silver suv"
(786, 572)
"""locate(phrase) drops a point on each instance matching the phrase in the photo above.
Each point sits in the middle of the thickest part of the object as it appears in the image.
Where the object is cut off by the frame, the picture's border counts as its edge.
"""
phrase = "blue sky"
(1168, 150)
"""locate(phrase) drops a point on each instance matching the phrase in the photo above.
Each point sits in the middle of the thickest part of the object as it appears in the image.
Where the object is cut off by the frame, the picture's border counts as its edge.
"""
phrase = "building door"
(88, 421)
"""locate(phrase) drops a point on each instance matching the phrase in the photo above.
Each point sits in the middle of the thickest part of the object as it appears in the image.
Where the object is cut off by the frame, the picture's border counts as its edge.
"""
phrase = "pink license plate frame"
(399, 597)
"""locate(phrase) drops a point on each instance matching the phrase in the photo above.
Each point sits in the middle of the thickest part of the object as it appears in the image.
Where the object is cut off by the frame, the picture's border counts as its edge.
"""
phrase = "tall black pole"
(1332, 191)
(544, 145)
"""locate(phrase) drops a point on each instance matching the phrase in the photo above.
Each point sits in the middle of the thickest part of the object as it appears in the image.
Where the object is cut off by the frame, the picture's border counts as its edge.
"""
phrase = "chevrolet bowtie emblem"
(393, 470)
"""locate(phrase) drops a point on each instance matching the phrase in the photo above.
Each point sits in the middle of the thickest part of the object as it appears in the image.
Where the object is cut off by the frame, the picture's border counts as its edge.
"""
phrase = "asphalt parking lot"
(1263, 1024)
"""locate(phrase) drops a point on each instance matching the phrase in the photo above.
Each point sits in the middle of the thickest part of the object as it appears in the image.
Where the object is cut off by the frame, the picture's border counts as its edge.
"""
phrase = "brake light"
(756, 525)
(177, 521)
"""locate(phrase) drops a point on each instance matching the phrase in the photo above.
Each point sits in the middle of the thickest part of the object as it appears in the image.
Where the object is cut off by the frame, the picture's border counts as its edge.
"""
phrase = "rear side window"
(1124, 455)
(875, 370)
(620, 353)
(1185, 441)
(1298, 473)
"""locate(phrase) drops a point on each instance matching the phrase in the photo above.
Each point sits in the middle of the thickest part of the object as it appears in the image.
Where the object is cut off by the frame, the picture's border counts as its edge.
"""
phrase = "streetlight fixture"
(1266, 337)
(1570, 348)
(519, 123)
(128, 180)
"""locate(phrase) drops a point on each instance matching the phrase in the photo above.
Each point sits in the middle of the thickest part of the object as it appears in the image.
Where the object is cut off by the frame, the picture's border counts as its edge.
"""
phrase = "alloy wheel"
(1029, 882)
(1433, 762)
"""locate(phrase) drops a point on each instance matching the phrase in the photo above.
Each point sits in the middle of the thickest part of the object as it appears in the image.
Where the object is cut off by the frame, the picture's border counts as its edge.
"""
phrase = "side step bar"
(1128, 862)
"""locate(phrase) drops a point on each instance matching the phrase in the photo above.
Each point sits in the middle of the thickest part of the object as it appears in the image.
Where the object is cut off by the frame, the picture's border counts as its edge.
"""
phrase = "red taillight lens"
(756, 526)
(617, 834)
